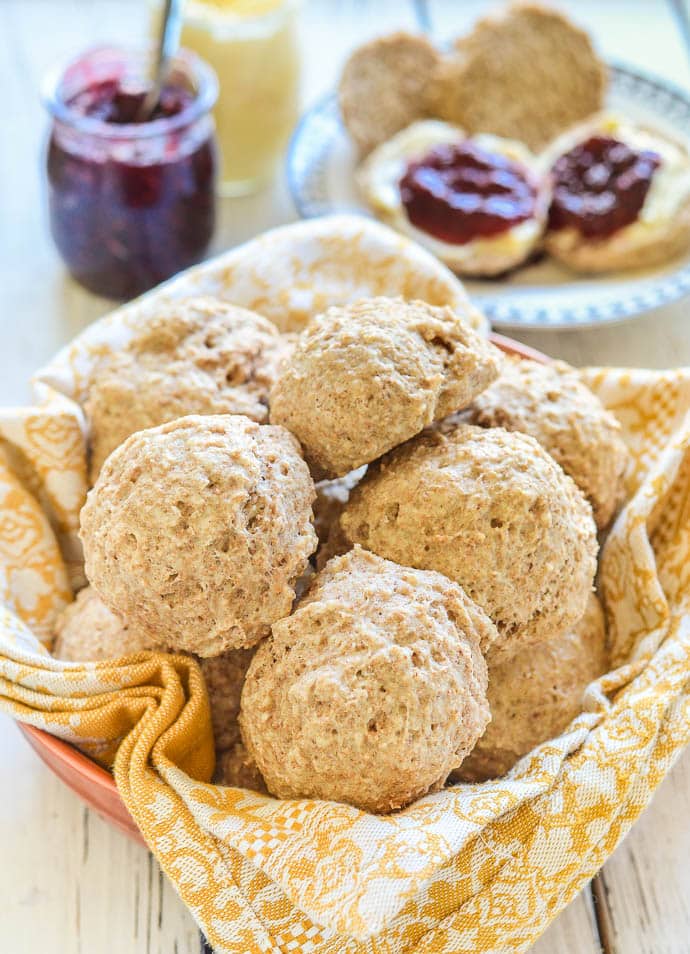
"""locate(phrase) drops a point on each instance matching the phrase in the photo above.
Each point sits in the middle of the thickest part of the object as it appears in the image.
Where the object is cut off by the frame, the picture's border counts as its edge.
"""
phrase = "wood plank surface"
(644, 888)
(70, 884)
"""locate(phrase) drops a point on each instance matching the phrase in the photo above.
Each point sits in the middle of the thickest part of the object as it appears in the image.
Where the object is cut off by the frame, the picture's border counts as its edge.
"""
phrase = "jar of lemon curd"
(252, 45)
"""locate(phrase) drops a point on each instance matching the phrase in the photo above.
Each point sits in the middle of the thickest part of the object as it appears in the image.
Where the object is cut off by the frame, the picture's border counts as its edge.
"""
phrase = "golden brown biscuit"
(535, 695)
(372, 691)
(365, 377)
(379, 181)
(661, 229)
(236, 769)
(224, 676)
(383, 87)
(197, 530)
(200, 356)
(550, 402)
(525, 72)
(494, 512)
(86, 631)
(331, 497)
(616, 254)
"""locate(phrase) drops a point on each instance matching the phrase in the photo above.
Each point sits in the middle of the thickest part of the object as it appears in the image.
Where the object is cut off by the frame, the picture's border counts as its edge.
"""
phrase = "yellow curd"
(252, 46)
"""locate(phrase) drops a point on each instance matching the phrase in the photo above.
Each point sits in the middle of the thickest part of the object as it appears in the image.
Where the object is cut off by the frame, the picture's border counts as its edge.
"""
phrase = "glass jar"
(131, 202)
(252, 45)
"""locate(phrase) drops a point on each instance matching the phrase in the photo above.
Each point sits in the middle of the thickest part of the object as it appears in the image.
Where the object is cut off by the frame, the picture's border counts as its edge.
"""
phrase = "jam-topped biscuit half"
(478, 203)
(621, 196)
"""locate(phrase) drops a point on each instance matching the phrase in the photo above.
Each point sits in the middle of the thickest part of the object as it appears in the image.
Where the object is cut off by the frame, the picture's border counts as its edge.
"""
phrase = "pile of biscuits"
(523, 91)
(379, 538)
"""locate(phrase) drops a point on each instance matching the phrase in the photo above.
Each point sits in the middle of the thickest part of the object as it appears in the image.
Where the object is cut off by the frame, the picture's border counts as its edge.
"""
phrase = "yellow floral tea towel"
(474, 868)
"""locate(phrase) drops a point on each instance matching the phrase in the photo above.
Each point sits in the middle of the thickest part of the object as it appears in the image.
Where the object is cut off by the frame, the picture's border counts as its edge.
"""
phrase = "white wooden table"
(69, 884)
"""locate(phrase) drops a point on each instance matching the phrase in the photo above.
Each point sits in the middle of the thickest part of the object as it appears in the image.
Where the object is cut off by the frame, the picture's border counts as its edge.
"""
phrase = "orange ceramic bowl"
(93, 784)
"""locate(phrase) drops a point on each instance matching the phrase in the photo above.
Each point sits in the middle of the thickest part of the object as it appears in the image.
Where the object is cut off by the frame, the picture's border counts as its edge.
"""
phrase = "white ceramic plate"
(320, 166)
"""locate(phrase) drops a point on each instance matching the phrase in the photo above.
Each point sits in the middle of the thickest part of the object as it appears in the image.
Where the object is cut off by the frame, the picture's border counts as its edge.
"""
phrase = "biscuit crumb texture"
(372, 691)
(199, 356)
(224, 676)
(525, 72)
(536, 695)
(236, 769)
(365, 377)
(491, 510)
(550, 402)
(87, 631)
(196, 531)
(331, 497)
(384, 87)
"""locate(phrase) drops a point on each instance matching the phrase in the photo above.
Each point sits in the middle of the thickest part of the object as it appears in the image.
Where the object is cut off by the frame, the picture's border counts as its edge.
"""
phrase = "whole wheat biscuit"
(196, 531)
(235, 768)
(200, 356)
(525, 72)
(331, 497)
(383, 87)
(550, 402)
(372, 691)
(662, 229)
(379, 181)
(491, 510)
(536, 694)
(365, 377)
(617, 253)
(87, 631)
(224, 676)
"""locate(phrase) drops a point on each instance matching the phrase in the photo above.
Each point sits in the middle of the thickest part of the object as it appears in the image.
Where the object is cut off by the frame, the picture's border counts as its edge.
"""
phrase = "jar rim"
(200, 72)
(231, 26)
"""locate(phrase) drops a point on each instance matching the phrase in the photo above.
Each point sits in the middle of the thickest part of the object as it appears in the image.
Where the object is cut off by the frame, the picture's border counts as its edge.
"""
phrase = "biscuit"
(236, 769)
(331, 497)
(525, 72)
(87, 631)
(380, 177)
(661, 230)
(491, 510)
(536, 695)
(372, 691)
(550, 402)
(196, 531)
(224, 676)
(199, 356)
(615, 254)
(365, 377)
(383, 87)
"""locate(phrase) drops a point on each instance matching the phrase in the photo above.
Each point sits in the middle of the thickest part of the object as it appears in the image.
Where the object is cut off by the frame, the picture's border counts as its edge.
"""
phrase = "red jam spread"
(129, 209)
(458, 192)
(111, 102)
(600, 186)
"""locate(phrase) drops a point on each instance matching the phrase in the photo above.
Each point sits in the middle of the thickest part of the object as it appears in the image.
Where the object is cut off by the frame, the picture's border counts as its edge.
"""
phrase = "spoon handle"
(168, 44)
(169, 39)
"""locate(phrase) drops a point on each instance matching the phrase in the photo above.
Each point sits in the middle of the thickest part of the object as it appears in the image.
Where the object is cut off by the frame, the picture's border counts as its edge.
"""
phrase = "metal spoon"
(168, 45)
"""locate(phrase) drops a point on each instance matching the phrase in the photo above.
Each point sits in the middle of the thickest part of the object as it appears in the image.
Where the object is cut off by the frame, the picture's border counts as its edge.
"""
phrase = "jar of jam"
(131, 198)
